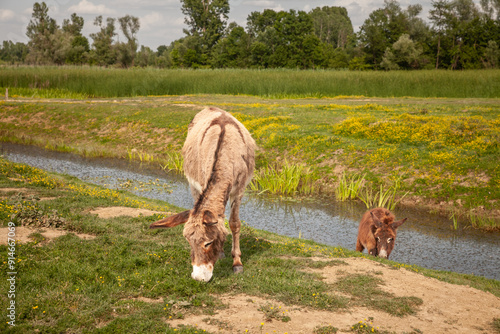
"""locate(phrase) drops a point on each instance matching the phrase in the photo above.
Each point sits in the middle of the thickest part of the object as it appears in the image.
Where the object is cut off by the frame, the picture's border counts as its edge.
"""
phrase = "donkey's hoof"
(222, 255)
(237, 269)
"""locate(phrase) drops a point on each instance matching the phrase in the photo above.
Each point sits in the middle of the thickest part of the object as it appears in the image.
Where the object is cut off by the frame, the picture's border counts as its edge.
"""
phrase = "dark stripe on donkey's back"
(213, 176)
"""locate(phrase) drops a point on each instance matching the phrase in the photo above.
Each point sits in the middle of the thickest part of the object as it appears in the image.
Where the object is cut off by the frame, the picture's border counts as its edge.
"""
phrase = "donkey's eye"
(208, 244)
(378, 239)
(210, 224)
(389, 240)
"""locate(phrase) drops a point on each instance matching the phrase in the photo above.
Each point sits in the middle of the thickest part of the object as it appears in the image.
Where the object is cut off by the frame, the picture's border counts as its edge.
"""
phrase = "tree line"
(459, 35)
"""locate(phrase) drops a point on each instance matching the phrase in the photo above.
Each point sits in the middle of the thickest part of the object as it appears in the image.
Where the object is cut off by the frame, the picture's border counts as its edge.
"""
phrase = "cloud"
(260, 3)
(7, 15)
(87, 7)
(151, 20)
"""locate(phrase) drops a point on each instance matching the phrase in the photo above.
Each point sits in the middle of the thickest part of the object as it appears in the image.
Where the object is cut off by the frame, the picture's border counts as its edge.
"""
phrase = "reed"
(134, 154)
(285, 179)
(349, 187)
(174, 161)
(382, 198)
(454, 219)
(307, 181)
(278, 83)
(481, 222)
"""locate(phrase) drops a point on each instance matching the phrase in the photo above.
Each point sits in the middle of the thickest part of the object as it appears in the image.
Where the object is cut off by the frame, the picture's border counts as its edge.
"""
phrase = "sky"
(161, 21)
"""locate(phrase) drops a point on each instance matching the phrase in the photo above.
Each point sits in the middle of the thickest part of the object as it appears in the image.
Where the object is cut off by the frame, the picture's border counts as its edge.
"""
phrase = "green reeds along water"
(382, 198)
(285, 179)
(349, 187)
(355, 187)
(80, 82)
(174, 161)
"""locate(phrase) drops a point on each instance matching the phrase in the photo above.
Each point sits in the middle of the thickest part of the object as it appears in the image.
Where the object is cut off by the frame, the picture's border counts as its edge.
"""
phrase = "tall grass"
(174, 162)
(481, 222)
(101, 82)
(134, 154)
(355, 187)
(43, 93)
(286, 179)
(349, 187)
(382, 198)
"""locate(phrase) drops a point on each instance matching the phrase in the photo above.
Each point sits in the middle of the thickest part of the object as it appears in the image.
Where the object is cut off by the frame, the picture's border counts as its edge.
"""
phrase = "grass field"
(131, 279)
(442, 153)
(75, 82)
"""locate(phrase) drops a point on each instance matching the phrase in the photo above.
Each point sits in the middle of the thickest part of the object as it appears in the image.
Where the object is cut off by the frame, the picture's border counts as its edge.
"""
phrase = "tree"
(337, 58)
(104, 52)
(207, 19)
(39, 31)
(491, 9)
(382, 29)
(145, 57)
(284, 39)
(126, 51)
(186, 52)
(293, 29)
(332, 25)
(74, 25)
(257, 22)
(161, 50)
(13, 53)
(491, 55)
(460, 30)
(79, 43)
(386, 25)
(438, 15)
(233, 50)
(405, 54)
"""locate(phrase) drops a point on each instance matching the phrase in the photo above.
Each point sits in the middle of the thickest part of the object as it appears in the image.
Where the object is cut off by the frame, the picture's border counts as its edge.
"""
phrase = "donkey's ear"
(209, 218)
(172, 221)
(397, 224)
(377, 222)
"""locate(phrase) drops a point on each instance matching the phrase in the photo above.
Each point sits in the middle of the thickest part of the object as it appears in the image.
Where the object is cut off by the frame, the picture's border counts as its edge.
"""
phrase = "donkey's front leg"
(235, 225)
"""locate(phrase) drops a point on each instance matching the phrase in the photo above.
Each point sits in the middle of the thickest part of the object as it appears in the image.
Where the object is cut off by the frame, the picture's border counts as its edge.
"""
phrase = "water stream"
(425, 240)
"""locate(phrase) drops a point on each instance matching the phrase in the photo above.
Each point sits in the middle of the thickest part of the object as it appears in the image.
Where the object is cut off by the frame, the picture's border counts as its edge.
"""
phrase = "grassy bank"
(129, 278)
(99, 82)
(440, 154)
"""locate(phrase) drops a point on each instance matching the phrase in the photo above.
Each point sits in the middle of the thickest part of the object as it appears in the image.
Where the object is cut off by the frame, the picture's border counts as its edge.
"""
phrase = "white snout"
(203, 272)
(383, 253)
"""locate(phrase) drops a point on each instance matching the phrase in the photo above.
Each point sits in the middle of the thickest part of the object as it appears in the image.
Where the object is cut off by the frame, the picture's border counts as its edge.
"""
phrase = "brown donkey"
(377, 232)
(219, 159)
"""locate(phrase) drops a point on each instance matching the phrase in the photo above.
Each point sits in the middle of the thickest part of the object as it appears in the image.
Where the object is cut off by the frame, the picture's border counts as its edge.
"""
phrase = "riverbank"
(440, 153)
(121, 275)
(324, 221)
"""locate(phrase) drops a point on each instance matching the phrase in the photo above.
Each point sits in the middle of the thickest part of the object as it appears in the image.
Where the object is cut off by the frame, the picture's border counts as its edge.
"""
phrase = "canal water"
(426, 240)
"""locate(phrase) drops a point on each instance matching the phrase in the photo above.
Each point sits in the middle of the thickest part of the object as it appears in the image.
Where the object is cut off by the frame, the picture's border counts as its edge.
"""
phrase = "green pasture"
(132, 279)
(440, 154)
(75, 82)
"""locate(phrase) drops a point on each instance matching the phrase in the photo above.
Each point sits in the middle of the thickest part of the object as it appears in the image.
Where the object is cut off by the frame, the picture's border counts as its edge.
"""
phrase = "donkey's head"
(206, 235)
(385, 234)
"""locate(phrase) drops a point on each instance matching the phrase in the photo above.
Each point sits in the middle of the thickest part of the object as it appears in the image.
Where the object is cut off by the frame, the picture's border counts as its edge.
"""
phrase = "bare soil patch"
(117, 211)
(23, 233)
(446, 308)
(4, 193)
(17, 190)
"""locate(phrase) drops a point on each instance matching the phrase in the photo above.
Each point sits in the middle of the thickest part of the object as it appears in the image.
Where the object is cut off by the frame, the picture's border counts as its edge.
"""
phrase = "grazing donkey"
(377, 232)
(219, 159)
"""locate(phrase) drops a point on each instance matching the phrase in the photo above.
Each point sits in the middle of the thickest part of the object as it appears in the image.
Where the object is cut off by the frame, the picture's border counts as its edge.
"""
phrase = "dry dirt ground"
(446, 308)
